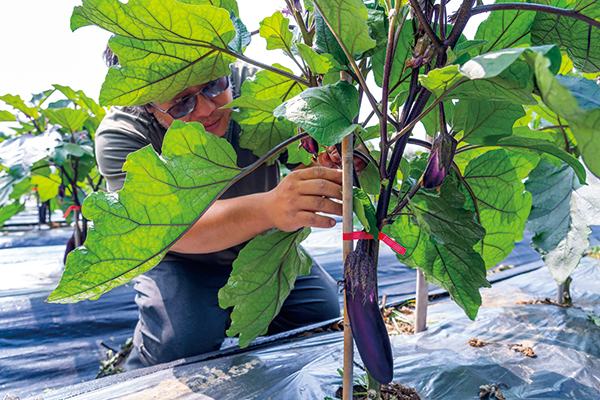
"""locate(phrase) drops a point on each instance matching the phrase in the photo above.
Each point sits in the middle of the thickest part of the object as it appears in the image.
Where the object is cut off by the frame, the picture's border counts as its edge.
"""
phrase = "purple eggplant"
(440, 161)
(366, 322)
(309, 144)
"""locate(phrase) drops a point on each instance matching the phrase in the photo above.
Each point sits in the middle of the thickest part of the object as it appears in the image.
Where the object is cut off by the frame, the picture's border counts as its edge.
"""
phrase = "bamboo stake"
(560, 294)
(422, 298)
(347, 227)
(76, 236)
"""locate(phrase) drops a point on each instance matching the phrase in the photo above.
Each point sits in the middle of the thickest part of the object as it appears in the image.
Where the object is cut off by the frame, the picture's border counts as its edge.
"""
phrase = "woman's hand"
(295, 202)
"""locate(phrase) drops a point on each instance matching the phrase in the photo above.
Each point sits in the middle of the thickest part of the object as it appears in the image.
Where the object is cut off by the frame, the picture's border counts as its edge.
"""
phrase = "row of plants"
(48, 154)
(513, 116)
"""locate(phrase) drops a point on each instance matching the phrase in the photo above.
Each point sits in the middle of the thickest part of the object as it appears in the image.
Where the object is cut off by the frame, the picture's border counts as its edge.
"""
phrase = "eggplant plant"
(513, 116)
(50, 151)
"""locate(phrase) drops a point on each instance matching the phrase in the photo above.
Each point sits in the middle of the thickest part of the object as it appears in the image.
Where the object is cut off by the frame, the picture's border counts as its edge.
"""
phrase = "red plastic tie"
(71, 209)
(382, 236)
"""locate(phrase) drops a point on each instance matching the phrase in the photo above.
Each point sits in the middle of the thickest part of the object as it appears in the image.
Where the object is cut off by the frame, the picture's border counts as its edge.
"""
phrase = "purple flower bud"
(440, 161)
(297, 5)
(309, 144)
(61, 191)
(366, 322)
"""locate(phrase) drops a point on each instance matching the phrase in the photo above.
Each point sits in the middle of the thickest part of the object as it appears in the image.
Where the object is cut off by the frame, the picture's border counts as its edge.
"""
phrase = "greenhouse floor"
(46, 350)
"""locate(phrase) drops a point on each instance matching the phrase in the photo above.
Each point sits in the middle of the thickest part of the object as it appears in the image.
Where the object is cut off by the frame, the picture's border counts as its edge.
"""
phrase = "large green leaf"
(242, 37)
(276, 30)
(485, 122)
(326, 42)
(269, 85)
(261, 130)
(262, 278)
(578, 38)
(164, 46)
(318, 63)
(47, 186)
(505, 28)
(129, 236)
(365, 211)
(584, 124)
(326, 112)
(496, 76)
(546, 147)
(348, 21)
(441, 242)
(70, 119)
(17, 103)
(560, 217)
(7, 116)
(502, 205)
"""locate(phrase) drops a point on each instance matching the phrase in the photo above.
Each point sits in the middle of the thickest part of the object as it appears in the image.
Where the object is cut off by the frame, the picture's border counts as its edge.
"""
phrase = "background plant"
(50, 150)
(516, 104)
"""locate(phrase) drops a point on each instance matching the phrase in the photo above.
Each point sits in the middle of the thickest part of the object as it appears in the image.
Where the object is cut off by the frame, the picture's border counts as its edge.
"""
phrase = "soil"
(527, 351)
(545, 301)
(393, 391)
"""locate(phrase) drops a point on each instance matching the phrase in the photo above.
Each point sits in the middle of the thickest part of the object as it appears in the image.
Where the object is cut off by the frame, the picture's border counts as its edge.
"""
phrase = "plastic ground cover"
(51, 346)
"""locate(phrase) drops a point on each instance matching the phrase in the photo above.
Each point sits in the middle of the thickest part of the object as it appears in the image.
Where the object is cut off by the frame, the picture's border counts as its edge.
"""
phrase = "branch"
(267, 67)
(534, 7)
(461, 21)
(425, 24)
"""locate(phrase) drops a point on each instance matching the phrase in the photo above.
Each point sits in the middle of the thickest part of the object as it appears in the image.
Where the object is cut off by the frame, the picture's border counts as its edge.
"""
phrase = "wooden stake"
(348, 247)
(421, 303)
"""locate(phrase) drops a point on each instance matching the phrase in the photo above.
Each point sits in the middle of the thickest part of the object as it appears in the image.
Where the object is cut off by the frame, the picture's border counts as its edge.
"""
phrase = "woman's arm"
(293, 204)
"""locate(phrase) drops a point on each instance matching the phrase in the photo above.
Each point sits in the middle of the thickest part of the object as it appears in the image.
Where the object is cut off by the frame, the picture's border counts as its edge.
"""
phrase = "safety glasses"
(186, 105)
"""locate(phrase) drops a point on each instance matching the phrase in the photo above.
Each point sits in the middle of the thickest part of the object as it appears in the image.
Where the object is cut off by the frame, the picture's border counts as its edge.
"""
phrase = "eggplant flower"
(440, 161)
(366, 322)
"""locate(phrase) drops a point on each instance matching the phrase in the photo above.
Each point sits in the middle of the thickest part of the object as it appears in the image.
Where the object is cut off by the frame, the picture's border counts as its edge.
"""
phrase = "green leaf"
(47, 186)
(500, 201)
(164, 46)
(369, 179)
(348, 21)
(17, 103)
(8, 211)
(70, 119)
(275, 29)
(364, 210)
(130, 236)
(585, 91)
(7, 116)
(261, 131)
(465, 47)
(445, 255)
(378, 30)
(269, 85)
(485, 122)
(326, 112)
(318, 63)
(584, 124)
(242, 38)
(326, 42)
(546, 147)
(262, 278)
(576, 37)
(560, 217)
(496, 76)
(505, 28)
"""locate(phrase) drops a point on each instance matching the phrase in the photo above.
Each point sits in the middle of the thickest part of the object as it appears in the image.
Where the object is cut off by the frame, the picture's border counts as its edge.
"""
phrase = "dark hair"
(112, 60)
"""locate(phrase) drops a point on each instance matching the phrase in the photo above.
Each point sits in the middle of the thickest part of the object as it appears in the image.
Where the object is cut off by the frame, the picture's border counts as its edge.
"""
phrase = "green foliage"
(513, 111)
(326, 113)
(262, 278)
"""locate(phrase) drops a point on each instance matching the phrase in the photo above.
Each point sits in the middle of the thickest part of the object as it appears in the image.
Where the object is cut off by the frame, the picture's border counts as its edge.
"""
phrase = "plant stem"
(534, 7)
(459, 24)
(267, 67)
(425, 24)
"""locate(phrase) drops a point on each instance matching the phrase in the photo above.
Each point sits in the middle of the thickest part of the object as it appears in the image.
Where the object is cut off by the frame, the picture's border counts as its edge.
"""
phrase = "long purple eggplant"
(368, 328)
(440, 161)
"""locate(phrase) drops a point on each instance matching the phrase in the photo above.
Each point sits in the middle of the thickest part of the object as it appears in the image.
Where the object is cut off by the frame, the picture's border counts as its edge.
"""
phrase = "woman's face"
(208, 111)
